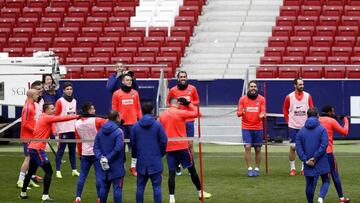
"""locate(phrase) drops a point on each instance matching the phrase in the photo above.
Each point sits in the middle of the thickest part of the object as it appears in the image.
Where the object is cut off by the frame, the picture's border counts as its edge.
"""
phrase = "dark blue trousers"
(117, 189)
(141, 184)
(61, 150)
(335, 174)
(311, 182)
(85, 165)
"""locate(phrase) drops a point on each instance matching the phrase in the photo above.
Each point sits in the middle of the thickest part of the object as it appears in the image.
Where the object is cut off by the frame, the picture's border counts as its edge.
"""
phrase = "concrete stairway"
(231, 35)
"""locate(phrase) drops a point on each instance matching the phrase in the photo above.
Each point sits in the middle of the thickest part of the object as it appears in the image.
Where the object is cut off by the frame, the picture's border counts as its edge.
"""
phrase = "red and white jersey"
(39, 108)
(64, 108)
(86, 129)
(298, 110)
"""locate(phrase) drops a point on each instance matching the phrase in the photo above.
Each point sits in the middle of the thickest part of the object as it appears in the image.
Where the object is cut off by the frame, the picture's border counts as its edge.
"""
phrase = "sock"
(21, 176)
(74, 170)
(250, 168)
(257, 169)
(172, 197)
(78, 199)
(44, 197)
(320, 200)
(133, 162)
(302, 167)
(23, 194)
(292, 165)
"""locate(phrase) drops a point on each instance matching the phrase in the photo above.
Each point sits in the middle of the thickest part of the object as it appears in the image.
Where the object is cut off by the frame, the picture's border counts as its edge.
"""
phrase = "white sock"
(133, 162)
(302, 167)
(44, 197)
(320, 200)
(292, 165)
(78, 199)
(172, 197)
(74, 170)
(257, 169)
(250, 168)
(21, 176)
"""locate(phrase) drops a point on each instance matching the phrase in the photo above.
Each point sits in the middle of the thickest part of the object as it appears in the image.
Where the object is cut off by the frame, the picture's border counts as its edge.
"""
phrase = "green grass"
(224, 175)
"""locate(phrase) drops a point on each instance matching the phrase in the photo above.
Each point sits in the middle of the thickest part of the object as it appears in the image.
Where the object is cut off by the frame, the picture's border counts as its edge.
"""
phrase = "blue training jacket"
(109, 142)
(311, 142)
(148, 141)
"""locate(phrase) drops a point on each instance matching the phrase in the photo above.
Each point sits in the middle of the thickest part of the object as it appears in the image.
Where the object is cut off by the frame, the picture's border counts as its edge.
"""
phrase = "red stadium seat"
(91, 31)
(27, 22)
(128, 3)
(155, 72)
(172, 51)
(307, 20)
(10, 13)
(86, 41)
(334, 72)
(355, 60)
(45, 32)
(74, 22)
(354, 2)
(171, 62)
(14, 51)
(64, 41)
(106, 3)
(353, 72)
(50, 22)
(30, 50)
(270, 60)
(329, 20)
(131, 41)
(83, 3)
(140, 72)
(296, 51)
(5, 33)
(55, 12)
(266, 72)
(310, 10)
(274, 51)
(121, 11)
(175, 42)
(352, 10)
(7, 22)
(135, 32)
(81, 52)
(181, 31)
(356, 51)
(126, 60)
(68, 32)
(341, 51)
(292, 2)
(154, 41)
(60, 3)
(22, 32)
(20, 42)
(348, 31)
(110, 70)
(314, 2)
(332, 10)
(338, 60)
(96, 21)
(77, 60)
(315, 60)
(43, 42)
(350, 20)
(126, 51)
(300, 41)
(279, 31)
(191, 11)
(319, 51)
(158, 32)
(285, 21)
(104, 51)
(37, 4)
(117, 21)
(304, 31)
(149, 51)
(143, 60)
(101, 11)
(289, 10)
(15, 4)
(344, 41)
(328, 31)
(336, 2)
(186, 21)
(293, 60)
(80, 12)
(93, 72)
(289, 72)
(73, 73)
(322, 41)
(28, 12)
(109, 41)
(312, 72)
(61, 52)
(114, 31)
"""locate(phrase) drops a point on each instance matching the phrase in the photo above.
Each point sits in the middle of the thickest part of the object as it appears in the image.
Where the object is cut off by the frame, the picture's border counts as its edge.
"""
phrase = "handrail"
(158, 94)
(10, 125)
(302, 65)
(114, 65)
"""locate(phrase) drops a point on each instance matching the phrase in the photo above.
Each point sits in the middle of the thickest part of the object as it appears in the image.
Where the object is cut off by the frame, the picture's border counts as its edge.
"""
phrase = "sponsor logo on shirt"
(186, 97)
(127, 101)
(252, 109)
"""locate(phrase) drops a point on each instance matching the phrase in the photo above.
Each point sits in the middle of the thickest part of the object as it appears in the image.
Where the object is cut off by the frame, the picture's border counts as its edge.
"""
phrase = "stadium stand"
(314, 32)
(98, 32)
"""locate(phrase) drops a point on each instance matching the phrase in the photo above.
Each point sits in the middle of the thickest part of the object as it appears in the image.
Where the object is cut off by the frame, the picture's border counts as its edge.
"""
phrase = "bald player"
(28, 115)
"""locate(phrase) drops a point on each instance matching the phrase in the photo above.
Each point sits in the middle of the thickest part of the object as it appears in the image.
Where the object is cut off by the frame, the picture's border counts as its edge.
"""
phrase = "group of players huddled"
(46, 115)
(103, 146)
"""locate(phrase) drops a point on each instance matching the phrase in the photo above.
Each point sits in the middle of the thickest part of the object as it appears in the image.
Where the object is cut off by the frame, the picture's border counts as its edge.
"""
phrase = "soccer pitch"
(224, 175)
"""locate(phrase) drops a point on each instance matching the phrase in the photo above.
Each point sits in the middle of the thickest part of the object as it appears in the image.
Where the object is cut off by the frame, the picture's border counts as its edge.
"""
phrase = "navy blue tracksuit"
(312, 142)
(109, 142)
(148, 141)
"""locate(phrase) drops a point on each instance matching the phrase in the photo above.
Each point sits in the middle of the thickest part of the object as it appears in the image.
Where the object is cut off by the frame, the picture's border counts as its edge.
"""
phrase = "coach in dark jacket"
(311, 144)
(148, 141)
(108, 149)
